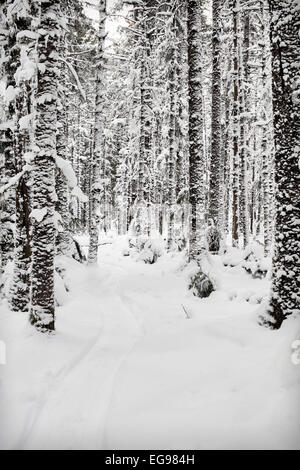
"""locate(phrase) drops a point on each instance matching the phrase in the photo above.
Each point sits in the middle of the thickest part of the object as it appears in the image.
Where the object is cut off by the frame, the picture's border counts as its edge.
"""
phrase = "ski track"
(58, 378)
(97, 363)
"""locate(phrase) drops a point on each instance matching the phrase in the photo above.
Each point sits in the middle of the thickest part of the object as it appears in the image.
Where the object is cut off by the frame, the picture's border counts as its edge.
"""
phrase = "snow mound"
(252, 259)
(147, 250)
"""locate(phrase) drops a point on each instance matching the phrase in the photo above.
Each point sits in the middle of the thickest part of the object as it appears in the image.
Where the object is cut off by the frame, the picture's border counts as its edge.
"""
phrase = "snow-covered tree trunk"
(243, 102)
(200, 282)
(44, 196)
(95, 190)
(286, 79)
(145, 123)
(19, 19)
(226, 153)
(20, 287)
(196, 154)
(7, 200)
(235, 165)
(214, 210)
(172, 146)
(265, 117)
(63, 238)
(181, 133)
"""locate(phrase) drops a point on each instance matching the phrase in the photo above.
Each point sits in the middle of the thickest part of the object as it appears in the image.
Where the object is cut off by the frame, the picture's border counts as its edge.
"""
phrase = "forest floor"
(138, 362)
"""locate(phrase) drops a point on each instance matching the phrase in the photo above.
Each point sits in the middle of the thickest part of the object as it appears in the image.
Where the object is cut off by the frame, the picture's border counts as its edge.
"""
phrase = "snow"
(42, 68)
(13, 180)
(26, 34)
(28, 157)
(11, 93)
(25, 121)
(68, 172)
(58, 221)
(27, 69)
(38, 214)
(45, 98)
(7, 125)
(66, 167)
(77, 192)
(76, 78)
(138, 362)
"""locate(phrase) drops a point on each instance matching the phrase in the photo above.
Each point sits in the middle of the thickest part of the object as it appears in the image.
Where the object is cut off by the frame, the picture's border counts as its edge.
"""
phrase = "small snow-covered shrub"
(145, 249)
(61, 287)
(248, 296)
(256, 268)
(264, 317)
(150, 251)
(131, 242)
(213, 239)
(254, 261)
(181, 243)
(200, 285)
(138, 243)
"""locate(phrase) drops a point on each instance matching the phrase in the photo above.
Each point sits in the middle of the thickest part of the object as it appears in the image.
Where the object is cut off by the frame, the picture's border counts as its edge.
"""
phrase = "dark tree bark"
(244, 107)
(7, 140)
(19, 298)
(285, 54)
(20, 288)
(144, 17)
(98, 159)
(64, 240)
(196, 154)
(173, 82)
(215, 161)
(43, 233)
(235, 176)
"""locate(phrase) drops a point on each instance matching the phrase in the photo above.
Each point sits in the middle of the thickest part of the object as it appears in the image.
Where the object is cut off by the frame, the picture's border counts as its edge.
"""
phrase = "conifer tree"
(285, 50)
(44, 196)
(197, 252)
(95, 190)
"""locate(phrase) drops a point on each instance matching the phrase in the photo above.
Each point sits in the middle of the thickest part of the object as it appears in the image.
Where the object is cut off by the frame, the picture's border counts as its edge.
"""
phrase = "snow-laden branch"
(74, 73)
(13, 180)
(68, 172)
(28, 158)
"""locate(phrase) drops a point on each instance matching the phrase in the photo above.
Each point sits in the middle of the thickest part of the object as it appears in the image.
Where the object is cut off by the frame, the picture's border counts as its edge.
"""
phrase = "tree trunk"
(172, 149)
(235, 176)
(215, 161)
(196, 155)
(285, 51)
(244, 108)
(20, 288)
(96, 183)
(64, 240)
(7, 141)
(43, 231)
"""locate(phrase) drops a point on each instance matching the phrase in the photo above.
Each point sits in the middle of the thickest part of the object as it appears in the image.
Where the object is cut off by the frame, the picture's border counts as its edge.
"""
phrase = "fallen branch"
(187, 315)
(74, 73)
(99, 244)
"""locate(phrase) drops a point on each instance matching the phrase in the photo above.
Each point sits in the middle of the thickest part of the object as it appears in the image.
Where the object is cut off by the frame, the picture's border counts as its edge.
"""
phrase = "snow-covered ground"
(137, 362)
